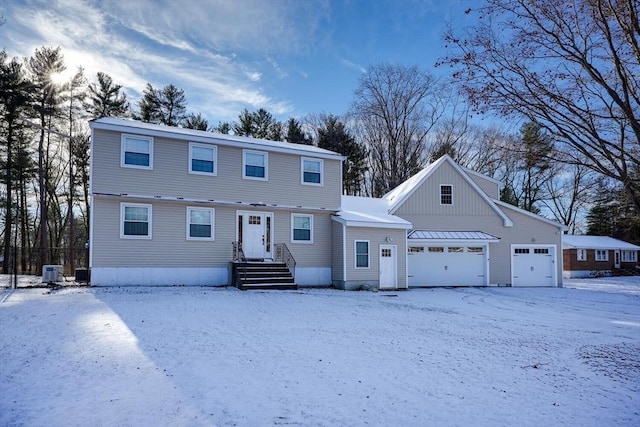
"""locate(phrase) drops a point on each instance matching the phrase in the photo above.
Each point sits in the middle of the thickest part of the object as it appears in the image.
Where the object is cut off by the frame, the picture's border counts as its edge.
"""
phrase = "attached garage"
(533, 265)
(448, 258)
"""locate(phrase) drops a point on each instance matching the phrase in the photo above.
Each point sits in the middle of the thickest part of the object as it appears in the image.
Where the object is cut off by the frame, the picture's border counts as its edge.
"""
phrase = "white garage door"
(533, 266)
(447, 265)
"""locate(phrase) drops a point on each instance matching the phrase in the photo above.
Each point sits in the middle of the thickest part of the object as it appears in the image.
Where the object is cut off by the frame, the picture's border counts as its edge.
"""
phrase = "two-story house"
(173, 206)
(167, 204)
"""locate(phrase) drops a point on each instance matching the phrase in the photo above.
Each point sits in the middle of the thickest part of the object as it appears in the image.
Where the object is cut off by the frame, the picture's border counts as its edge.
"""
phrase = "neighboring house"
(588, 256)
(169, 205)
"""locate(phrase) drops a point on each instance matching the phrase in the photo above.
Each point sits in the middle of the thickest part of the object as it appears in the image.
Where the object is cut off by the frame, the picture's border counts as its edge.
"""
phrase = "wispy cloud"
(352, 65)
(213, 49)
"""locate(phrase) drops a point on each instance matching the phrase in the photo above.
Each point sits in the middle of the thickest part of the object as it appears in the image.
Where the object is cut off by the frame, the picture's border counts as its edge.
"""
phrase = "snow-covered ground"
(205, 356)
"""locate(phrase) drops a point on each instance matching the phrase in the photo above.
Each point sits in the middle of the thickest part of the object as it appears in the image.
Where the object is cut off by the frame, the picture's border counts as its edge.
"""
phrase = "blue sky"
(291, 57)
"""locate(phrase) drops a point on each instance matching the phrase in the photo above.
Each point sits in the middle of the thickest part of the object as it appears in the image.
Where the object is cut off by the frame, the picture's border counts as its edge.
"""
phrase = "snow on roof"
(369, 212)
(451, 235)
(404, 189)
(129, 125)
(595, 242)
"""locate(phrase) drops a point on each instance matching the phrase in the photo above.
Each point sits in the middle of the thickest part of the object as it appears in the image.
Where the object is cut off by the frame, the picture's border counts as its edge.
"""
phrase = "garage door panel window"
(362, 253)
(455, 249)
(521, 251)
(541, 251)
(436, 249)
(475, 250)
(416, 249)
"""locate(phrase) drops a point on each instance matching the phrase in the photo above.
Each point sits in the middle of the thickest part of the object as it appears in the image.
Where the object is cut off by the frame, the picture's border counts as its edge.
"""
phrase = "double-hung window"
(629, 256)
(200, 223)
(136, 152)
(582, 254)
(446, 195)
(602, 255)
(203, 159)
(135, 221)
(312, 171)
(362, 253)
(255, 165)
(301, 228)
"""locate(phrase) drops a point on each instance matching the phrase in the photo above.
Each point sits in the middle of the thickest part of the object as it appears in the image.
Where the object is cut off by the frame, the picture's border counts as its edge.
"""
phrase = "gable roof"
(150, 129)
(570, 241)
(402, 192)
(529, 214)
(359, 211)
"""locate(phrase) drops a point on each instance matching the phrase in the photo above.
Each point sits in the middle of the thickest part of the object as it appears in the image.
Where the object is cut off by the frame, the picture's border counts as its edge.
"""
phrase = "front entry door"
(254, 235)
(388, 267)
(616, 259)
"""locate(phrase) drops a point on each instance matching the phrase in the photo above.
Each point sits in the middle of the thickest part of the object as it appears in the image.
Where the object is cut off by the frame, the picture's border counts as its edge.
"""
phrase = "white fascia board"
(530, 214)
(215, 138)
(365, 224)
(212, 202)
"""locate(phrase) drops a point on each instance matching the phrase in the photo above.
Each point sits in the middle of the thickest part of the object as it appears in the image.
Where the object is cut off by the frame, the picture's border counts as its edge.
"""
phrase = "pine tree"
(259, 124)
(334, 136)
(295, 134)
(106, 98)
(166, 106)
(195, 121)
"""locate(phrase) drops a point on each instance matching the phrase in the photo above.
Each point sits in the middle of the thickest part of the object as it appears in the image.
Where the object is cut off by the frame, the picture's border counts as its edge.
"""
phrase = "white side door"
(388, 267)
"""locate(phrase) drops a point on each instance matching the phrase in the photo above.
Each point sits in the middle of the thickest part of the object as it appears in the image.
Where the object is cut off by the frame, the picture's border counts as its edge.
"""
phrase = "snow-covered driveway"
(205, 356)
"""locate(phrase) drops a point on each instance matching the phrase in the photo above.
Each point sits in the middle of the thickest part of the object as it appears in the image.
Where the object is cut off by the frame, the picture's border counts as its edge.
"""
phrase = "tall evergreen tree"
(334, 136)
(295, 134)
(165, 106)
(534, 152)
(14, 98)
(106, 98)
(222, 127)
(259, 124)
(45, 63)
(195, 121)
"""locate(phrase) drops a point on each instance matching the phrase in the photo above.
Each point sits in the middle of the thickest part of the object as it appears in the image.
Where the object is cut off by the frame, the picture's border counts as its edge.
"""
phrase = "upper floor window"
(362, 253)
(255, 165)
(203, 159)
(582, 254)
(135, 221)
(312, 171)
(136, 152)
(200, 223)
(446, 195)
(301, 228)
(602, 255)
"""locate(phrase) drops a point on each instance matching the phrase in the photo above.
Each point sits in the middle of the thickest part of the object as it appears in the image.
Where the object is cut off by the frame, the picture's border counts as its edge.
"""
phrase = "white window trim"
(304, 242)
(123, 137)
(355, 254)
(629, 256)
(581, 251)
(440, 195)
(215, 158)
(311, 159)
(266, 165)
(213, 222)
(138, 205)
(606, 255)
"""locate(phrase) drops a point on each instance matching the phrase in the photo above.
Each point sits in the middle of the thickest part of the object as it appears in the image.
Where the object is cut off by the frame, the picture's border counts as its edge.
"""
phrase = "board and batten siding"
(170, 176)
(425, 200)
(376, 237)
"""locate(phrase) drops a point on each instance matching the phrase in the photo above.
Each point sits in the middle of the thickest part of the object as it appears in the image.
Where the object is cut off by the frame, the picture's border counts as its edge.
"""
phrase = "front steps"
(262, 275)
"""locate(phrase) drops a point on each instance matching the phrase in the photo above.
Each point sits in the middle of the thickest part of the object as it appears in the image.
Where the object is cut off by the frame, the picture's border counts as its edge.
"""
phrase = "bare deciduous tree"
(572, 67)
(394, 110)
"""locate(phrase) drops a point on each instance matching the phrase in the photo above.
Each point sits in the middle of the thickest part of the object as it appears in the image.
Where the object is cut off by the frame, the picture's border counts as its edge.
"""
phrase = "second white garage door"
(533, 265)
(447, 265)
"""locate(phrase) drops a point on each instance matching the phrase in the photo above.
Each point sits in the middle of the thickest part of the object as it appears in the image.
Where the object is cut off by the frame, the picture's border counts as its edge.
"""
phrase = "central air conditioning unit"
(52, 273)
